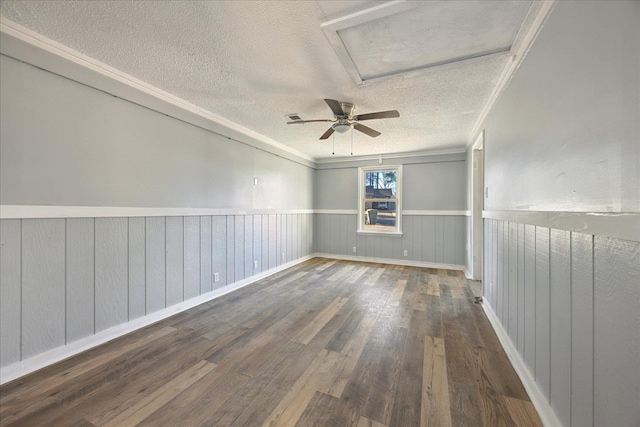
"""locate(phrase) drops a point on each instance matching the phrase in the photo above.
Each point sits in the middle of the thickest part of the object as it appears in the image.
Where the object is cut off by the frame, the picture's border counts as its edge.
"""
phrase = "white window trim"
(361, 195)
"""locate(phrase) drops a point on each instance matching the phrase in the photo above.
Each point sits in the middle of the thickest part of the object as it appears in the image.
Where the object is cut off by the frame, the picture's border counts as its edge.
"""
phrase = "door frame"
(477, 206)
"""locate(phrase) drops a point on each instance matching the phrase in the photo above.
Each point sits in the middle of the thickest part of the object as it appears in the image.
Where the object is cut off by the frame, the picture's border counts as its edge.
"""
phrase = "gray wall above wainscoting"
(336, 189)
(435, 186)
(429, 182)
(565, 133)
(68, 144)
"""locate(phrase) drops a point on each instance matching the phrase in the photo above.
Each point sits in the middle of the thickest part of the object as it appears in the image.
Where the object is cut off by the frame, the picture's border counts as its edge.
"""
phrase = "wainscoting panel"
(43, 285)
(543, 316)
(570, 305)
(581, 329)
(155, 263)
(65, 279)
(219, 252)
(11, 290)
(616, 321)
(112, 272)
(206, 254)
(426, 238)
(530, 297)
(80, 271)
(175, 260)
(137, 268)
(191, 259)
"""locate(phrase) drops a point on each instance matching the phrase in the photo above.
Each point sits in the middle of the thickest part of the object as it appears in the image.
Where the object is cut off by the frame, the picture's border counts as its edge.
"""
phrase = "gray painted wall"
(565, 136)
(66, 279)
(435, 186)
(336, 189)
(429, 183)
(68, 144)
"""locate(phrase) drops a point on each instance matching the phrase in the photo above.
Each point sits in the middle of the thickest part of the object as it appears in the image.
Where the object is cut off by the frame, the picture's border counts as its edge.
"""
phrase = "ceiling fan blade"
(379, 115)
(367, 130)
(335, 107)
(327, 134)
(309, 121)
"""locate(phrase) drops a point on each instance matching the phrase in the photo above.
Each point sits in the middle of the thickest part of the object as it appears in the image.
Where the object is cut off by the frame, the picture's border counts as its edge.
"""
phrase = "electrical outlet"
(216, 277)
(283, 256)
(255, 264)
(486, 192)
(354, 249)
(406, 253)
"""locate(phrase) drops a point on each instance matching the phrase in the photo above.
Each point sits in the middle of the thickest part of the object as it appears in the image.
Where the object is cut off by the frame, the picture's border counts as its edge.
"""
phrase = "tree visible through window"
(379, 200)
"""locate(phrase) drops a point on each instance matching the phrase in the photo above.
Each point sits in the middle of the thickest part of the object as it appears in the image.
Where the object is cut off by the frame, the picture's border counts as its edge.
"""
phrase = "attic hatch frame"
(332, 28)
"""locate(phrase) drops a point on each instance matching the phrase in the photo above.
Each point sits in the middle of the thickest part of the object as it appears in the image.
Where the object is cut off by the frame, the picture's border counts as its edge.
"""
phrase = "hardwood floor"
(326, 342)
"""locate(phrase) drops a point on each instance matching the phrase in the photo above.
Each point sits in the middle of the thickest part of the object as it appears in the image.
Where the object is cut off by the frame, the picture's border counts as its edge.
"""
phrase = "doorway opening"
(477, 205)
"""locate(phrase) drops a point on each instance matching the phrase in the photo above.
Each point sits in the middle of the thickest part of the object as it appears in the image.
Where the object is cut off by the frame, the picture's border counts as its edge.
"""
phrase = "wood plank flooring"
(331, 343)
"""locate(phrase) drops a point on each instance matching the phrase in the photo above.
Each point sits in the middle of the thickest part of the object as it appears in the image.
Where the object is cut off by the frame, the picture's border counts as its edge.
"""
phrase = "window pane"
(380, 184)
(379, 204)
(380, 219)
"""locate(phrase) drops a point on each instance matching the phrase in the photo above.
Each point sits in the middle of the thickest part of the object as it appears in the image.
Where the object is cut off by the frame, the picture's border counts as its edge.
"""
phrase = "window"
(379, 205)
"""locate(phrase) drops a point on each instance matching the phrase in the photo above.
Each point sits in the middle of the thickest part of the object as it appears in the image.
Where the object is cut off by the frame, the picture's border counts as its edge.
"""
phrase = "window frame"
(362, 196)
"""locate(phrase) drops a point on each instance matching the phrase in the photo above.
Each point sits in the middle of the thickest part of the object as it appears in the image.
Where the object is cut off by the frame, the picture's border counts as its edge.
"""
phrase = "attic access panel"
(399, 38)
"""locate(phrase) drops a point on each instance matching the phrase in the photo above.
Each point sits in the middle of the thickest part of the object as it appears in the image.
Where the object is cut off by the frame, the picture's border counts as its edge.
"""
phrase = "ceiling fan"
(344, 119)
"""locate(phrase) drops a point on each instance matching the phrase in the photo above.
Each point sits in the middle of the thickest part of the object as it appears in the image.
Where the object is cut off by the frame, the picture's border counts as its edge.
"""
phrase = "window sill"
(379, 233)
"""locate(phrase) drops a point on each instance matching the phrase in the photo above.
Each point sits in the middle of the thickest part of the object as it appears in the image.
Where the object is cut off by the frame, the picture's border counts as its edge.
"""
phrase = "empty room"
(320, 213)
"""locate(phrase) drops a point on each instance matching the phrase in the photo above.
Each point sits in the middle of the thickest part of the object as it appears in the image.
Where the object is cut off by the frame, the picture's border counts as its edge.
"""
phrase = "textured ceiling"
(254, 62)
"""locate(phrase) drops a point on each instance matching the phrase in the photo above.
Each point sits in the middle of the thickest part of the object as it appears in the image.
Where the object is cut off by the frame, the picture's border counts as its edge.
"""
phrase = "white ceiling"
(253, 62)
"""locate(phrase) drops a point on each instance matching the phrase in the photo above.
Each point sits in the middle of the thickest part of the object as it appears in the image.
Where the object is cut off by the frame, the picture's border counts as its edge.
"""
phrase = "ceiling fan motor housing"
(347, 108)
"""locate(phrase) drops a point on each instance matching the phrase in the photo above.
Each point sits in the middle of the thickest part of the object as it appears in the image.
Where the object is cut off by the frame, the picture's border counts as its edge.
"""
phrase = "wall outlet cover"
(216, 277)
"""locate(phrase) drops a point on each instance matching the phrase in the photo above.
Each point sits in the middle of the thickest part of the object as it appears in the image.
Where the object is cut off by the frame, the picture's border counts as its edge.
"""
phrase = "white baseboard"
(391, 261)
(548, 417)
(42, 360)
(467, 273)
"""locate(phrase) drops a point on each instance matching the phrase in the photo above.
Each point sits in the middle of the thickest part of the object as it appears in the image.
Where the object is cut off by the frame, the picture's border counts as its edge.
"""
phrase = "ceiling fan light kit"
(344, 119)
(341, 127)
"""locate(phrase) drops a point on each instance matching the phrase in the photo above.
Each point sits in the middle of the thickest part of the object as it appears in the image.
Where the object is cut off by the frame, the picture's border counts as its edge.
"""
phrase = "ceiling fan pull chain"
(352, 141)
(334, 144)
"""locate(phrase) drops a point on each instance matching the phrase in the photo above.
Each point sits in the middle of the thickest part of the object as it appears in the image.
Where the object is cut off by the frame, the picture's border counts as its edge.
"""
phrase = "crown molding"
(46, 44)
(381, 157)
